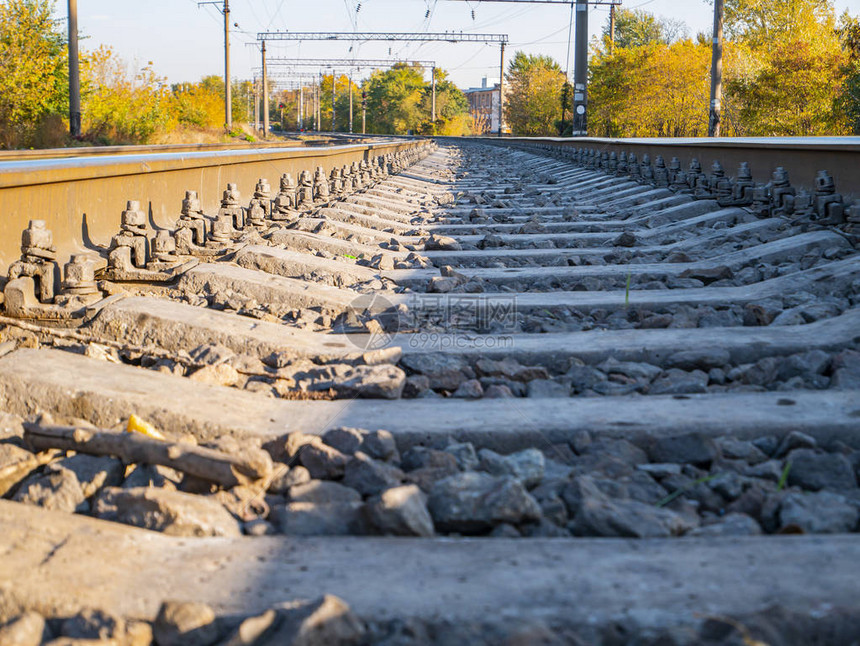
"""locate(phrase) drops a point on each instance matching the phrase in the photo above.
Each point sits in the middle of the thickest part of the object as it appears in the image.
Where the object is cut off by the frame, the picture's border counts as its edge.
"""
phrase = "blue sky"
(185, 42)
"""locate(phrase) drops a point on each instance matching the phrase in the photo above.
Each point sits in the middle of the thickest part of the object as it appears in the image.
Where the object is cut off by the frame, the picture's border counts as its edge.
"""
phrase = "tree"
(565, 127)
(793, 94)
(760, 23)
(613, 81)
(674, 30)
(119, 103)
(656, 90)
(452, 108)
(394, 99)
(123, 107)
(200, 104)
(849, 100)
(655, 84)
(785, 73)
(242, 101)
(794, 69)
(533, 101)
(341, 101)
(343, 92)
(637, 28)
(33, 71)
(679, 90)
(399, 100)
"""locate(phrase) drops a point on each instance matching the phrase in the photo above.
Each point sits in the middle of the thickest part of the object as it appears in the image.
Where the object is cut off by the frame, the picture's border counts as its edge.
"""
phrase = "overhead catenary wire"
(272, 12)
(428, 6)
(542, 39)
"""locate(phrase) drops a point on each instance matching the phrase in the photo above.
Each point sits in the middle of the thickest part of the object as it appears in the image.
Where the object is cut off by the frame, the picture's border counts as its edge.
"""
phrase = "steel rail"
(82, 198)
(297, 141)
(802, 157)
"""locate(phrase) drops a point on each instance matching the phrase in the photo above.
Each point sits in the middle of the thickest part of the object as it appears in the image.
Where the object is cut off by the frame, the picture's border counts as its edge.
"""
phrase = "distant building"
(484, 107)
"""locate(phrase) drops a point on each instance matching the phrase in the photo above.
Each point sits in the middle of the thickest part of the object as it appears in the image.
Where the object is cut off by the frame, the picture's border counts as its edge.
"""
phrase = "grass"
(346, 255)
(627, 291)
(783, 479)
(680, 492)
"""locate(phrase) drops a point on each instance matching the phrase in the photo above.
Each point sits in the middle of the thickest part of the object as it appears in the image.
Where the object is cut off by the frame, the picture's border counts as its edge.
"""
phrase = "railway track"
(453, 393)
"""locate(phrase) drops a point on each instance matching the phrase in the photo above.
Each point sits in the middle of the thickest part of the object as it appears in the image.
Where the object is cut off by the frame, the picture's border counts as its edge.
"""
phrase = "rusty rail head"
(81, 198)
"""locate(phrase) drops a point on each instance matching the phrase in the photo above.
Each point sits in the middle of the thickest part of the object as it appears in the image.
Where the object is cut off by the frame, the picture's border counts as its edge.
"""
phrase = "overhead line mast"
(580, 81)
(449, 37)
(445, 36)
(343, 62)
(357, 63)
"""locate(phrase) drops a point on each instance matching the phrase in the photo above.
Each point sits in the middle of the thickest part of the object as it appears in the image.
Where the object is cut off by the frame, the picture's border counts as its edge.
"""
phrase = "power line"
(542, 39)
(276, 14)
(228, 98)
(254, 13)
(605, 2)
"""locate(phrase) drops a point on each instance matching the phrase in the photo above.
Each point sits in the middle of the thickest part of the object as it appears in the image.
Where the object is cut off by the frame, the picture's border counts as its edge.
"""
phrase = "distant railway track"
(510, 353)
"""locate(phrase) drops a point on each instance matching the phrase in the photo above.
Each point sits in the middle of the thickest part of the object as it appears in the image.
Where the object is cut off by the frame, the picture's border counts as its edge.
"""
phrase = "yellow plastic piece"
(137, 425)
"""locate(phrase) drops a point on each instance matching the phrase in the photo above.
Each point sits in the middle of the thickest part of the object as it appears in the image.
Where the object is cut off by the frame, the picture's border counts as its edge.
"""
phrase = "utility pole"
(350, 105)
(333, 124)
(612, 29)
(74, 73)
(580, 117)
(716, 72)
(433, 102)
(364, 112)
(565, 98)
(256, 106)
(580, 74)
(224, 8)
(318, 102)
(265, 96)
(228, 90)
(301, 106)
(502, 91)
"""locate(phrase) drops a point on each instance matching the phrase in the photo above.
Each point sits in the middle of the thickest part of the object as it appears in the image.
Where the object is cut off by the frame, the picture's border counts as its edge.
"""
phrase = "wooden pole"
(612, 29)
(228, 89)
(502, 92)
(433, 102)
(265, 95)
